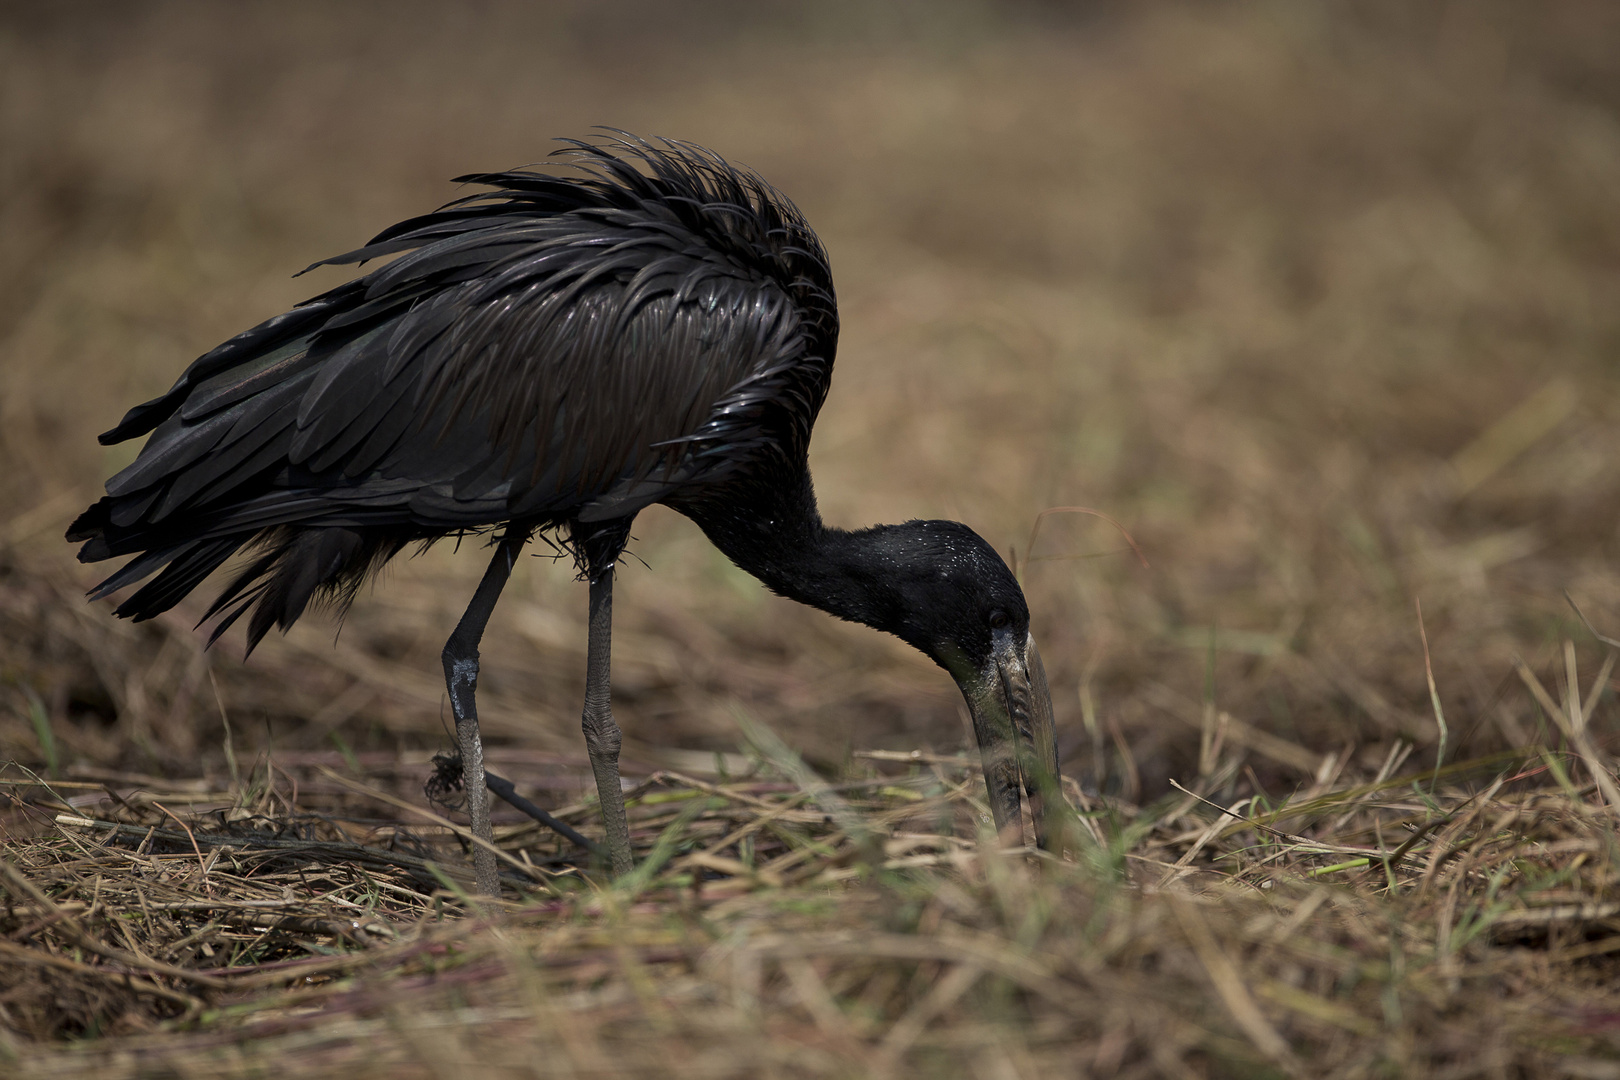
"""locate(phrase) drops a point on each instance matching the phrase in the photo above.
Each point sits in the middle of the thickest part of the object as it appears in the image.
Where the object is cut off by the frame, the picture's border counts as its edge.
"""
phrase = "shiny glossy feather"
(562, 350)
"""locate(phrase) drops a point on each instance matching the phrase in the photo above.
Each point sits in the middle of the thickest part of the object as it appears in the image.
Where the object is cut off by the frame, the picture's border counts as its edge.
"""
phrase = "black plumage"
(555, 354)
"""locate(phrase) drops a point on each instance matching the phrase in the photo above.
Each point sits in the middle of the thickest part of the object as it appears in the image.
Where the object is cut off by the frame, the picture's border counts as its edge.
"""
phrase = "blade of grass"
(41, 719)
(637, 880)
(1578, 736)
(1434, 697)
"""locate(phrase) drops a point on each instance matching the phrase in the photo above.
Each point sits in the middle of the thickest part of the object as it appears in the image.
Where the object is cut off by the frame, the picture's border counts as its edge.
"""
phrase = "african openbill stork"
(556, 354)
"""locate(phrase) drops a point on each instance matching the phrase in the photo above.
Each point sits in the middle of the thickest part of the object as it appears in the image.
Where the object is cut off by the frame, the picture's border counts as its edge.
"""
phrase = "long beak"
(1012, 719)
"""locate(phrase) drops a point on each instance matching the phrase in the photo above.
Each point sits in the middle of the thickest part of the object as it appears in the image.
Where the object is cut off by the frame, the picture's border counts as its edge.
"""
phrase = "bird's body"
(556, 354)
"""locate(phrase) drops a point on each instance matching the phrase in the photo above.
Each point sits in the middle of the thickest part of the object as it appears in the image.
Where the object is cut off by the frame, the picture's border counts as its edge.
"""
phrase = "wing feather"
(559, 349)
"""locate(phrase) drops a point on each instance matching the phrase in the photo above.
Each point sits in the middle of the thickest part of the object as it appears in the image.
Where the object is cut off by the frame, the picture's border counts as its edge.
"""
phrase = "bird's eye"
(998, 619)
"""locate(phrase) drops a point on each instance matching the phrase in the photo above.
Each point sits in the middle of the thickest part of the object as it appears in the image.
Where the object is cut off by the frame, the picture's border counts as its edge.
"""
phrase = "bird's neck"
(776, 534)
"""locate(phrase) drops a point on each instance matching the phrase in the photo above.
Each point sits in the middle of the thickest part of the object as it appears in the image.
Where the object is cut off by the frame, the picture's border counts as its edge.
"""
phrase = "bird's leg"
(461, 677)
(602, 736)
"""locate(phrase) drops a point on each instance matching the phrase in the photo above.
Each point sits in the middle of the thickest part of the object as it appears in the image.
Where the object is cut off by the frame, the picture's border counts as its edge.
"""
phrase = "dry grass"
(1411, 925)
(1321, 302)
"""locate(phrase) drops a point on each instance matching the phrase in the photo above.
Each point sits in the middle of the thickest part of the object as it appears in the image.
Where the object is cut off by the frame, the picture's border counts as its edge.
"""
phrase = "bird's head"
(956, 600)
(940, 588)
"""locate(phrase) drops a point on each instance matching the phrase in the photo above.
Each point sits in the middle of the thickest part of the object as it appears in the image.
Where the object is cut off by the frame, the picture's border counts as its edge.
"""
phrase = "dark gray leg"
(504, 789)
(602, 736)
(461, 676)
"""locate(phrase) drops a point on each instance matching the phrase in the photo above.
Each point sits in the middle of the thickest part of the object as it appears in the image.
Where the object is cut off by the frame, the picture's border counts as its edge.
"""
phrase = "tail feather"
(136, 569)
(293, 566)
(248, 583)
(184, 572)
(89, 527)
(327, 565)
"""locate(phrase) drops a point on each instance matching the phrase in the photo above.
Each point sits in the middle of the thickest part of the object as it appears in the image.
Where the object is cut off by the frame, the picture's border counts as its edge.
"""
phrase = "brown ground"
(1321, 302)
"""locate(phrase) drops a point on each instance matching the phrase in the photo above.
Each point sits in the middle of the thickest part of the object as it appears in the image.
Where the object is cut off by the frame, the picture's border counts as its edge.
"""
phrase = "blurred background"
(1318, 301)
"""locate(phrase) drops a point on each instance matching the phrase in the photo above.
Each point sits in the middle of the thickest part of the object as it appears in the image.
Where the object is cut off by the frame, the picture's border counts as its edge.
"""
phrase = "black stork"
(656, 326)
